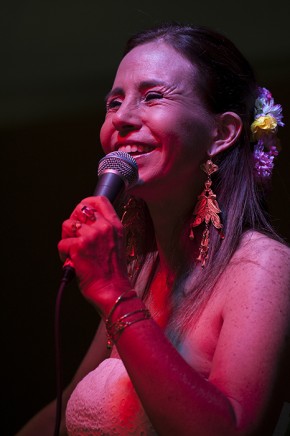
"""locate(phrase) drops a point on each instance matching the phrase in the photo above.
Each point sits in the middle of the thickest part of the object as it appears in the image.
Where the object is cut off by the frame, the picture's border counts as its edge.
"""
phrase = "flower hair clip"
(268, 116)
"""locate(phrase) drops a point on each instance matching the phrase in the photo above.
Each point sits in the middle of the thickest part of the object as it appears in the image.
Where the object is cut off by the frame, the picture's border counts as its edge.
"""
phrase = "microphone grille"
(121, 163)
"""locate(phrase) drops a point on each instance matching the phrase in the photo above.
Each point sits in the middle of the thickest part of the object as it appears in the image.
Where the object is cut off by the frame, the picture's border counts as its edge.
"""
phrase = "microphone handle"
(110, 185)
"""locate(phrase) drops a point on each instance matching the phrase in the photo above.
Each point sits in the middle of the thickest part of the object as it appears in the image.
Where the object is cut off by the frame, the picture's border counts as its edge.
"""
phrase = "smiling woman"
(163, 114)
(189, 280)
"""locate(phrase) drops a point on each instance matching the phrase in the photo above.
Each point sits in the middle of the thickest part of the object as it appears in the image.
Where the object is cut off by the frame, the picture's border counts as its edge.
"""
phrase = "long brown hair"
(227, 83)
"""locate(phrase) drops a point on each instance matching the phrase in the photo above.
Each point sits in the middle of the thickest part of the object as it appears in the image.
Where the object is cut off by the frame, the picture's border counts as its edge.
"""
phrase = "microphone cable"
(68, 275)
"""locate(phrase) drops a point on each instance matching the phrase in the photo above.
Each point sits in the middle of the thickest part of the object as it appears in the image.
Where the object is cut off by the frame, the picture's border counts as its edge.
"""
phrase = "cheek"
(176, 124)
(197, 134)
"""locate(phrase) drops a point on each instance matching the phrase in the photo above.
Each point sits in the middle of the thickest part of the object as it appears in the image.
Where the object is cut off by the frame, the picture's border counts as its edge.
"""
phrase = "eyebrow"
(142, 86)
(114, 92)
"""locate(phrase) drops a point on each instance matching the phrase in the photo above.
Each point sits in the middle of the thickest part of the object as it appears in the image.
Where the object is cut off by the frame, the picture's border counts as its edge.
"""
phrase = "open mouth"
(136, 149)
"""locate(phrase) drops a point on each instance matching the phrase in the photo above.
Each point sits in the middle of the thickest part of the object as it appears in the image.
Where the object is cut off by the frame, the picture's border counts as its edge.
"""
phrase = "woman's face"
(155, 113)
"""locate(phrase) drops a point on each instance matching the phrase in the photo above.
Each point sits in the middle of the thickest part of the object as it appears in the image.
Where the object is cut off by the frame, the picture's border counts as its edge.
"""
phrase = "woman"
(195, 317)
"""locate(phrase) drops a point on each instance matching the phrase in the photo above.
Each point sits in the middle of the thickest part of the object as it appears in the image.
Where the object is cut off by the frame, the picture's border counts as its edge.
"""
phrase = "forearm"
(176, 398)
(43, 423)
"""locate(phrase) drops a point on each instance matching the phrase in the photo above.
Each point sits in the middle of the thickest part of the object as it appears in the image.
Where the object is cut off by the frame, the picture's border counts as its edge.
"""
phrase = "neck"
(170, 221)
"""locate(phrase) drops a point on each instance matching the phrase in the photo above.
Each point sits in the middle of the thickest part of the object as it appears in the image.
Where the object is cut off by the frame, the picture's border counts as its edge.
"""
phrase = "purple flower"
(263, 161)
(265, 105)
(264, 93)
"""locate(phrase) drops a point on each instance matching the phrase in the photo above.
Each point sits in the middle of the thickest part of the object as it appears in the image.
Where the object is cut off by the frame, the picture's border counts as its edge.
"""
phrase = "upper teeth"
(134, 148)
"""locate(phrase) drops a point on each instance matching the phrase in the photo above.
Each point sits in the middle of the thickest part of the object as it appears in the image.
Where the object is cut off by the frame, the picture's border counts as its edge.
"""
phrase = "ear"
(227, 131)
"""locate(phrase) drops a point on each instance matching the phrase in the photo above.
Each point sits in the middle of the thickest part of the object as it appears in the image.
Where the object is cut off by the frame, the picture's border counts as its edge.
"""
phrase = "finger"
(104, 207)
(89, 213)
(64, 247)
(99, 204)
(84, 212)
(71, 228)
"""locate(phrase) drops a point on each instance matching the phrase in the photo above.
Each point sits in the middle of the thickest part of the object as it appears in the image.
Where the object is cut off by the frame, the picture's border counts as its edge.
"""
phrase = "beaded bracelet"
(114, 330)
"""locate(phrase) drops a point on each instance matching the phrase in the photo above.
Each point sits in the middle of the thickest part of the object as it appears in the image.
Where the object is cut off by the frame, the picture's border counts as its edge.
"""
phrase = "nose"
(127, 117)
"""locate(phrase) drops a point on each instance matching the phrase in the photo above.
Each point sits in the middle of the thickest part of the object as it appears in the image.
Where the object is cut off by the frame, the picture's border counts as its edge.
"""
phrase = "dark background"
(57, 63)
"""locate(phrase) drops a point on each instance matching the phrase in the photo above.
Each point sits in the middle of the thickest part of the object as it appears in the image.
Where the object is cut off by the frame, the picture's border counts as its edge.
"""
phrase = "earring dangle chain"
(206, 210)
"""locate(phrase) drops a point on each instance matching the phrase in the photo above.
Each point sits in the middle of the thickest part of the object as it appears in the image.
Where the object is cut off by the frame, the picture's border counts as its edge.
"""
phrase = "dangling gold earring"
(133, 221)
(206, 210)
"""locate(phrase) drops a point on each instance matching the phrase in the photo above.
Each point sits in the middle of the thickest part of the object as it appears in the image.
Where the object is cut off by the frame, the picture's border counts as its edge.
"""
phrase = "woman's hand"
(92, 238)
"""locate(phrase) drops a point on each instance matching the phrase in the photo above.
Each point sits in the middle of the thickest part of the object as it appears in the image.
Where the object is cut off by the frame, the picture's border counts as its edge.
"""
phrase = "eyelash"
(112, 104)
(152, 95)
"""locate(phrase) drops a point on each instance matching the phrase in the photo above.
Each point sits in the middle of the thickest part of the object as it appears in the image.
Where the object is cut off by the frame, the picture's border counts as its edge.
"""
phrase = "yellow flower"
(264, 124)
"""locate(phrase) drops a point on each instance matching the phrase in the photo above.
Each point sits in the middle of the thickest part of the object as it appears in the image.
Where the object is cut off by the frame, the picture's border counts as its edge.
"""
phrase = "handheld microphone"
(117, 171)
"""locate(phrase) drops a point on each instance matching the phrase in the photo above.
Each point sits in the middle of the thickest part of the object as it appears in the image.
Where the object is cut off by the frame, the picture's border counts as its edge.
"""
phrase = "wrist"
(105, 296)
(128, 309)
(124, 297)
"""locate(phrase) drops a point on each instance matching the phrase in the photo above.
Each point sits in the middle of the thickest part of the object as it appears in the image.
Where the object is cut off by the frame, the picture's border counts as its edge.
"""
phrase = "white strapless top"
(105, 403)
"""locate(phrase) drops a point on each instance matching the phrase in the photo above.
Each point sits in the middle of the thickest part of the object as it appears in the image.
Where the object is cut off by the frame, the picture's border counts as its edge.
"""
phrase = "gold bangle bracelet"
(127, 295)
(114, 330)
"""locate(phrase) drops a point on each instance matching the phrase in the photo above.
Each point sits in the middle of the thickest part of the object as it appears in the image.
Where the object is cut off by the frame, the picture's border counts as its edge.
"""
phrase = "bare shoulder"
(256, 286)
(261, 264)
(255, 246)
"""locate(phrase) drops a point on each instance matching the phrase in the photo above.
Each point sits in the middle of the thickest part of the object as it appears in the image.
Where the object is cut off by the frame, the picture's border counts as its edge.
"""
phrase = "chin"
(148, 191)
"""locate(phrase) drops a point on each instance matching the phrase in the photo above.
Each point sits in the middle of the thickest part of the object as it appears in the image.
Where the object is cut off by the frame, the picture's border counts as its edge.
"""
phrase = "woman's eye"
(113, 104)
(153, 96)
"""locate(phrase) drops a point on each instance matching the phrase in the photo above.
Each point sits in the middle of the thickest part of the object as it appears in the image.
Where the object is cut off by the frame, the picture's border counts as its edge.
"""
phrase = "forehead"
(155, 60)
